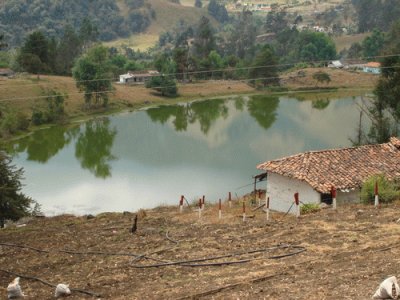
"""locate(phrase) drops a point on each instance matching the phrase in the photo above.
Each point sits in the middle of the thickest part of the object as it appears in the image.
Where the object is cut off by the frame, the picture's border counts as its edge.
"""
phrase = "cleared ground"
(347, 254)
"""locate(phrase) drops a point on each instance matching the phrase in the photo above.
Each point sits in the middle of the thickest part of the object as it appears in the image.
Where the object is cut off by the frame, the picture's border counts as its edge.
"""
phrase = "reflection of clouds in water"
(120, 194)
(218, 133)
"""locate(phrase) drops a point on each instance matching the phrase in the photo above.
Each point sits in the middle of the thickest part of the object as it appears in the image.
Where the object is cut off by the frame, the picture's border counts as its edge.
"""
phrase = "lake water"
(151, 157)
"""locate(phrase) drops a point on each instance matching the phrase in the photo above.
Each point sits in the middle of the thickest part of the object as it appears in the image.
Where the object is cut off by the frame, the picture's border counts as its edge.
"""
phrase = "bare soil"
(348, 253)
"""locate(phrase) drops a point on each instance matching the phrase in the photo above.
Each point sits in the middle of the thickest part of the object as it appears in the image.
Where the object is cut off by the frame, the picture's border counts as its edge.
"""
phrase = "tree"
(13, 203)
(314, 46)
(92, 73)
(218, 11)
(164, 85)
(33, 56)
(198, 4)
(2, 43)
(264, 68)
(70, 47)
(243, 37)
(321, 77)
(373, 44)
(204, 40)
(276, 21)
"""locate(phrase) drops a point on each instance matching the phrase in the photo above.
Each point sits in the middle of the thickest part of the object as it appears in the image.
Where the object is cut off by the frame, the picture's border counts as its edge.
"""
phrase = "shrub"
(387, 190)
(309, 208)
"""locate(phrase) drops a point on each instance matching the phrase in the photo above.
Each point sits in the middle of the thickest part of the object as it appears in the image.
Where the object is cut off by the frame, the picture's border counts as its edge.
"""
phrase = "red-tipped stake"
(244, 211)
(267, 205)
(220, 209)
(376, 195)
(200, 202)
(181, 204)
(297, 202)
(333, 194)
(230, 199)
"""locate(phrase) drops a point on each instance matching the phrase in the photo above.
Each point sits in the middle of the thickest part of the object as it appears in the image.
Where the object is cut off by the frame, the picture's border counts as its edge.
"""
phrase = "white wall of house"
(348, 197)
(281, 190)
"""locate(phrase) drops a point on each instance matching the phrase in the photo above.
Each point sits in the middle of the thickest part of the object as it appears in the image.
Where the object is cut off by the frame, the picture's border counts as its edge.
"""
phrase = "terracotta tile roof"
(373, 65)
(343, 168)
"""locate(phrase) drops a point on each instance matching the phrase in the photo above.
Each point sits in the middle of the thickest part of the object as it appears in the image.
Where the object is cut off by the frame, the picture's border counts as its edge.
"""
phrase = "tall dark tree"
(70, 47)
(204, 41)
(264, 67)
(243, 37)
(372, 45)
(218, 11)
(34, 56)
(13, 203)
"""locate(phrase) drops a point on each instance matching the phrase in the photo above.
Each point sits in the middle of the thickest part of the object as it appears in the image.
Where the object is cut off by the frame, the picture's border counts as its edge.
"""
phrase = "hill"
(347, 254)
(114, 19)
(167, 17)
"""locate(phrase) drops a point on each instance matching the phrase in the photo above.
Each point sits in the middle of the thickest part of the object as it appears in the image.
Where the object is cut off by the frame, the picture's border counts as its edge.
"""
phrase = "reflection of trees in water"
(320, 104)
(263, 109)
(44, 144)
(93, 147)
(205, 112)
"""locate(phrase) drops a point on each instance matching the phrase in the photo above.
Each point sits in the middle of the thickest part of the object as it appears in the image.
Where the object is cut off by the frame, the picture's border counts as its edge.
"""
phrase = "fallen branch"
(24, 247)
(258, 207)
(49, 284)
(189, 263)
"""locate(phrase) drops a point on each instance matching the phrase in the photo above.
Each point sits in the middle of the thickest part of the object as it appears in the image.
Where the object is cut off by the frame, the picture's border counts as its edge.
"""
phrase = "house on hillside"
(372, 67)
(335, 64)
(137, 77)
(312, 174)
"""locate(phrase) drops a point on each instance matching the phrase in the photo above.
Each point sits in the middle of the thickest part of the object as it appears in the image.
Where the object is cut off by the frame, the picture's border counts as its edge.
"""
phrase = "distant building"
(5, 72)
(335, 64)
(372, 67)
(312, 174)
(137, 77)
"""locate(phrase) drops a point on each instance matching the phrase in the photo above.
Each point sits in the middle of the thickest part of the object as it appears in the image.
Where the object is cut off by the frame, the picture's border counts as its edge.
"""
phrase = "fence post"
(333, 194)
(220, 209)
(376, 195)
(203, 202)
(297, 202)
(181, 204)
(267, 205)
(200, 202)
(230, 199)
(244, 211)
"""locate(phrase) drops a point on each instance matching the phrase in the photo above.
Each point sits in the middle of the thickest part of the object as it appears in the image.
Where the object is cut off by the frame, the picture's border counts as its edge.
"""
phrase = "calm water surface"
(147, 158)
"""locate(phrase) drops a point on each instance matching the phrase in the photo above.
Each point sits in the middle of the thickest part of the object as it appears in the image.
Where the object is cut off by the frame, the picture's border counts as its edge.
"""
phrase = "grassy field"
(345, 41)
(24, 92)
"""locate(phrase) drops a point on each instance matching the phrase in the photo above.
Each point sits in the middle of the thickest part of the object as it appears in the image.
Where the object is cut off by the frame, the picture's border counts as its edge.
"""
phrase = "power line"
(228, 69)
(179, 85)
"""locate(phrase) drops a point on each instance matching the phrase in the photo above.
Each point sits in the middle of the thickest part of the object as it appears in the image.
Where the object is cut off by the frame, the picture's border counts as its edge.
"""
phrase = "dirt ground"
(347, 254)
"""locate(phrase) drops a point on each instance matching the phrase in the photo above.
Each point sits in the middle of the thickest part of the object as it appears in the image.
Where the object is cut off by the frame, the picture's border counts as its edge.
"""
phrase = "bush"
(388, 190)
(309, 208)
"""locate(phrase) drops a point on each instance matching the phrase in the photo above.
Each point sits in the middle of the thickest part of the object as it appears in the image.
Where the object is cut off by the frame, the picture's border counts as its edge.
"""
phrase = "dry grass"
(345, 41)
(344, 258)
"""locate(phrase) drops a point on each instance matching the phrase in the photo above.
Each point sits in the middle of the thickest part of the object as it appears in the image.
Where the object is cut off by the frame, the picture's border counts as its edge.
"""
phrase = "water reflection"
(93, 147)
(44, 144)
(263, 109)
(320, 103)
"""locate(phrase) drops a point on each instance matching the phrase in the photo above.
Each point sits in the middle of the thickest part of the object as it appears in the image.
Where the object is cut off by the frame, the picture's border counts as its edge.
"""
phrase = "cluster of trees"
(18, 17)
(371, 46)
(376, 14)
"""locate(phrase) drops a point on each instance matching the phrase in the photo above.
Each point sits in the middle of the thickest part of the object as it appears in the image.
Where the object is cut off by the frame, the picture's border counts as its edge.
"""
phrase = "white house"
(312, 174)
(335, 64)
(137, 77)
(372, 67)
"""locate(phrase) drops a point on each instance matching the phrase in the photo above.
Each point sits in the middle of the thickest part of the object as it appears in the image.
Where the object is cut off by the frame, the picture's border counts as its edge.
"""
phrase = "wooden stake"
(220, 209)
(181, 204)
(244, 211)
(203, 202)
(376, 195)
(297, 202)
(230, 199)
(267, 204)
(200, 202)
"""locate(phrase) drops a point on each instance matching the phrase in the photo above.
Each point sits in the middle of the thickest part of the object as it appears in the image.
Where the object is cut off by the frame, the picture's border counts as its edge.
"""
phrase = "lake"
(150, 157)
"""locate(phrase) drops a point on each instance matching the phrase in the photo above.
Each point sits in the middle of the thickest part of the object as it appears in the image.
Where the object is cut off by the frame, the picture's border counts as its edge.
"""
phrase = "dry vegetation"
(348, 253)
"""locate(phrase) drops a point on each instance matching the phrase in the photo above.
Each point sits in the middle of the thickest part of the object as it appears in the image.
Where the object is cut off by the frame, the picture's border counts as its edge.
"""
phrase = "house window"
(326, 198)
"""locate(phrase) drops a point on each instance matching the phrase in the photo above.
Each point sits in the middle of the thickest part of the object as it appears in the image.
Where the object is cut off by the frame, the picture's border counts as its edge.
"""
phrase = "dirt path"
(348, 253)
